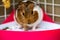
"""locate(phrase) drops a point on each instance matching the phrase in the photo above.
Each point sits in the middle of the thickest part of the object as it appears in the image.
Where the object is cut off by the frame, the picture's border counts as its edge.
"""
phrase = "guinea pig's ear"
(31, 6)
(19, 3)
(35, 12)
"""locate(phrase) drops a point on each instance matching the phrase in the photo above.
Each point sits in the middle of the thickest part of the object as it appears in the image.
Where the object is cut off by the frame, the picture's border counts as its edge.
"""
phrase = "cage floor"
(1, 20)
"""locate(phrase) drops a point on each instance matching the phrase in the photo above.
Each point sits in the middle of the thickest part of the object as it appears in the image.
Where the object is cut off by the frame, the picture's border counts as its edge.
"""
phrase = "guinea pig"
(25, 15)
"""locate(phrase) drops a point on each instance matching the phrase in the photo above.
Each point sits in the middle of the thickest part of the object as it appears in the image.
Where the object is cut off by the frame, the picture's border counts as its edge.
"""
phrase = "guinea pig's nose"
(28, 22)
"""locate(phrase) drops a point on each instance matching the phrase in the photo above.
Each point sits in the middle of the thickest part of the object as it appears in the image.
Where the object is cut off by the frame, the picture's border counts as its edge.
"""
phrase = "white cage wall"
(43, 3)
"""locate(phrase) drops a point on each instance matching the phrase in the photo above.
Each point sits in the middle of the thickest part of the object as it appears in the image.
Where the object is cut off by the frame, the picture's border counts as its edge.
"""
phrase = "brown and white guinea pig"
(26, 15)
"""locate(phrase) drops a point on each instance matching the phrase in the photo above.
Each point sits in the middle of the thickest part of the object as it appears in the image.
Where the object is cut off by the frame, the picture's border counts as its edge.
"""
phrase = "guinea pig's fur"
(25, 14)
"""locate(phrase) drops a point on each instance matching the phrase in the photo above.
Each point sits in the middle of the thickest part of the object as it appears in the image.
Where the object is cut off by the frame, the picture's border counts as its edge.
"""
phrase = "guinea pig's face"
(25, 13)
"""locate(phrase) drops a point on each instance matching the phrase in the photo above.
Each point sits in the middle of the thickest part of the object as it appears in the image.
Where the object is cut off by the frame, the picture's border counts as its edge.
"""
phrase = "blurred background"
(52, 7)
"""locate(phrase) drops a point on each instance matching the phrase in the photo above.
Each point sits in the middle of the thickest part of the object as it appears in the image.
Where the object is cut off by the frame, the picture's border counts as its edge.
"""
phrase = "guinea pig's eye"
(32, 12)
(23, 13)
